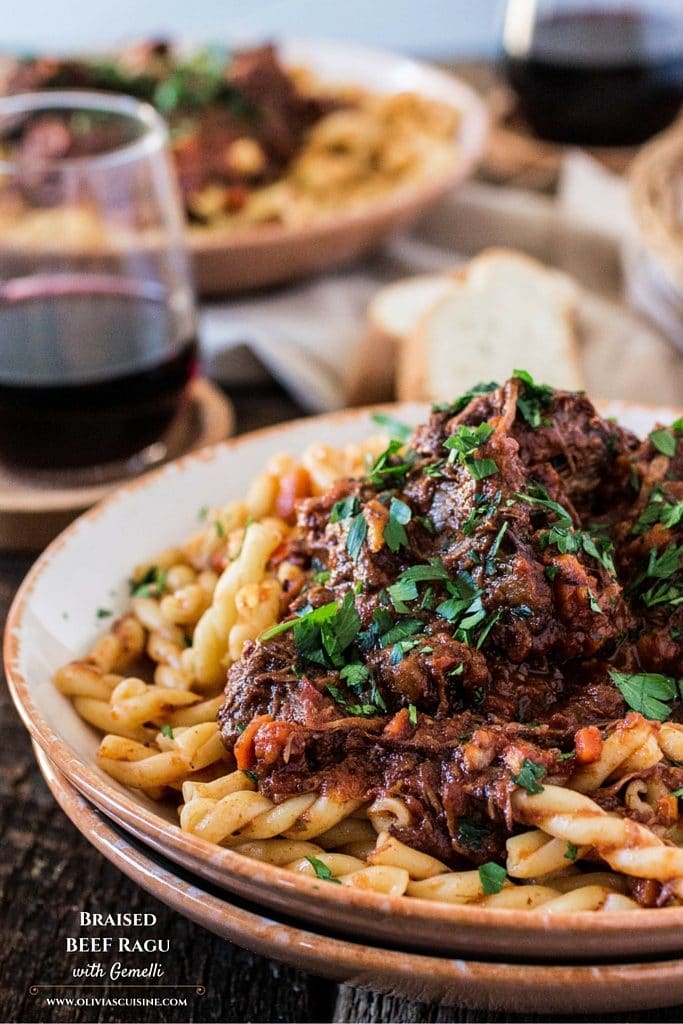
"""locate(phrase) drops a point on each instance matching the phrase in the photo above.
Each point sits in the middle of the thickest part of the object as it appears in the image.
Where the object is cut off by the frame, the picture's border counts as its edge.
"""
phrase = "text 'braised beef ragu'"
(493, 591)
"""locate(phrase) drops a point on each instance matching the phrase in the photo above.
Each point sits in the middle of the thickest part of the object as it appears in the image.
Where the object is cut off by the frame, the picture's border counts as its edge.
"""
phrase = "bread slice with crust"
(503, 311)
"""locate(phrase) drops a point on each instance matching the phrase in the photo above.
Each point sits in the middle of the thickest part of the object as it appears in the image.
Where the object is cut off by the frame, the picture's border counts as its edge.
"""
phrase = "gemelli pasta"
(443, 665)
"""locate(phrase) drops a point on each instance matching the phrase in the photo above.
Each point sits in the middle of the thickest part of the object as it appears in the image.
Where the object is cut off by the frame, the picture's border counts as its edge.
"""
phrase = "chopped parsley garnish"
(405, 587)
(426, 523)
(464, 400)
(564, 537)
(551, 572)
(492, 877)
(464, 443)
(593, 603)
(493, 550)
(678, 792)
(151, 585)
(322, 576)
(321, 870)
(348, 511)
(357, 533)
(252, 776)
(167, 731)
(529, 776)
(322, 635)
(533, 398)
(203, 513)
(344, 509)
(659, 510)
(664, 442)
(104, 613)
(355, 675)
(400, 631)
(219, 528)
(647, 692)
(400, 431)
(384, 468)
(662, 566)
(357, 710)
(412, 714)
(568, 756)
(572, 851)
(394, 532)
(482, 508)
(471, 833)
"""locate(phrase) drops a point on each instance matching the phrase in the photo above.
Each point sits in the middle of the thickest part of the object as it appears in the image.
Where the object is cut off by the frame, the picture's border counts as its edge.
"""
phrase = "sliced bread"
(504, 311)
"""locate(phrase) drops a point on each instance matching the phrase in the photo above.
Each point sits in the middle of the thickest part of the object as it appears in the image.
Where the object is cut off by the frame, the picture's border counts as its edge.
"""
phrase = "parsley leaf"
(356, 710)
(412, 714)
(661, 565)
(533, 398)
(394, 531)
(355, 675)
(572, 851)
(405, 587)
(400, 431)
(104, 613)
(321, 870)
(400, 631)
(464, 443)
(658, 510)
(345, 508)
(529, 776)
(492, 877)
(167, 730)
(356, 535)
(383, 467)
(151, 585)
(664, 442)
(646, 692)
(471, 833)
(464, 400)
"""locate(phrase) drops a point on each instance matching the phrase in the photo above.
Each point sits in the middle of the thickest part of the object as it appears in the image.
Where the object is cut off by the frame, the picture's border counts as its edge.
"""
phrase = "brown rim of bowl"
(84, 777)
(519, 986)
(650, 179)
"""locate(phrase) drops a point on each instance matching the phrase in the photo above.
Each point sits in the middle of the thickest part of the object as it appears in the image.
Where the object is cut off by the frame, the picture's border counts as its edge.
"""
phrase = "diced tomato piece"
(293, 485)
(588, 743)
(244, 747)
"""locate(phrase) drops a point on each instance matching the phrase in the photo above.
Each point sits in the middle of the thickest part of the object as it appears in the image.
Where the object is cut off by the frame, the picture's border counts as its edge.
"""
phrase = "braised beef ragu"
(465, 610)
(211, 99)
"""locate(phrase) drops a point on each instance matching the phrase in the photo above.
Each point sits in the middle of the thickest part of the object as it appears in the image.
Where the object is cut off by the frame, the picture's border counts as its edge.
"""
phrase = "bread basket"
(653, 257)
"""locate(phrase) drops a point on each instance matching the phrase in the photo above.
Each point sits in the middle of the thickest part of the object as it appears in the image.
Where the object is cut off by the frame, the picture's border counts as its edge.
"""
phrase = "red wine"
(601, 78)
(92, 369)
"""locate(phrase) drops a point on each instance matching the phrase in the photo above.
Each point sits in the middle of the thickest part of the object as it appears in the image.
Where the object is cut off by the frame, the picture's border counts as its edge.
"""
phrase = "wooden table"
(48, 873)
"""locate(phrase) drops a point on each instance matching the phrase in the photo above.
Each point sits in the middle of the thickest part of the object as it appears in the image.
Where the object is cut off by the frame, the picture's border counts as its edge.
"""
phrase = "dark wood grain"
(49, 872)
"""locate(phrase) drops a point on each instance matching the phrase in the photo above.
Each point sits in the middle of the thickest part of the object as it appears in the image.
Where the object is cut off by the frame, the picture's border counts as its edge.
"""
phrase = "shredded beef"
(448, 707)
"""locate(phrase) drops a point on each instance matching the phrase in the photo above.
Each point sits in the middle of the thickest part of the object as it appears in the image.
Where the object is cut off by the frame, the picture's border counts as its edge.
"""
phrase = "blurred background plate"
(272, 254)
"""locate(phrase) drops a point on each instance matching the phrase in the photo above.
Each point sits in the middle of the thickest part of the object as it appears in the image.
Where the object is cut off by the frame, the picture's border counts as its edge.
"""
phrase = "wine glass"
(97, 315)
(595, 72)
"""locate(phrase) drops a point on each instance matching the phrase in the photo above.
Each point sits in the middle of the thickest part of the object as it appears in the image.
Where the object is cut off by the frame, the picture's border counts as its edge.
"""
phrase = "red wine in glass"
(599, 75)
(92, 369)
